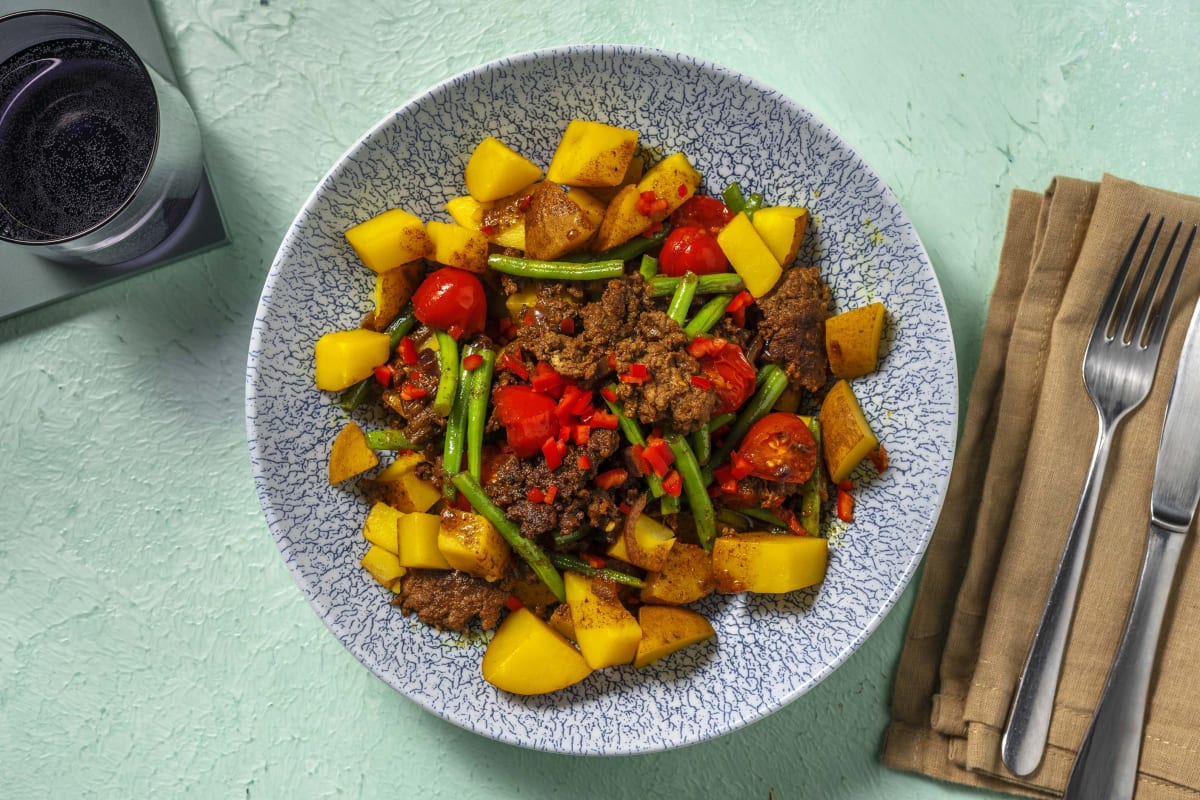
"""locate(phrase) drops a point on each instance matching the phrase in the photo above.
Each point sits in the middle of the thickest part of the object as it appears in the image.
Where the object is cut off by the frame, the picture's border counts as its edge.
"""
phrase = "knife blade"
(1106, 765)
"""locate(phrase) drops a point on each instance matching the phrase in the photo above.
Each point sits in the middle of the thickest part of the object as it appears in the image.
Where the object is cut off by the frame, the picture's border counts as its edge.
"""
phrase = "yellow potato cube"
(846, 435)
(782, 228)
(685, 577)
(382, 527)
(592, 154)
(349, 454)
(674, 180)
(527, 657)
(471, 544)
(343, 358)
(852, 340)
(468, 212)
(388, 240)
(749, 255)
(524, 298)
(633, 174)
(622, 220)
(607, 633)
(457, 246)
(383, 566)
(768, 563)
(648, 547)
(666, 629)
(417, 542)
(393, 289)
(495, 170)
(401, 487)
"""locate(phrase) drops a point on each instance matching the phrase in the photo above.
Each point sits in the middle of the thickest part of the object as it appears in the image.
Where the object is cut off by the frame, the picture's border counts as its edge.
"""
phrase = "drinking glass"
(100, 155)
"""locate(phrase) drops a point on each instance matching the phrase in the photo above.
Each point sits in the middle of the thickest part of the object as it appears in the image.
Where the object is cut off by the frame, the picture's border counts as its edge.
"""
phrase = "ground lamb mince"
(793, 326)
(450, 600)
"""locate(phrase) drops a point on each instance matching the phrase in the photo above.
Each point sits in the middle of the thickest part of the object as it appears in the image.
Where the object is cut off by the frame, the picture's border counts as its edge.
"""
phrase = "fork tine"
(1122, 328)
(1168, 298)
(1137, 332)
(1104, 320)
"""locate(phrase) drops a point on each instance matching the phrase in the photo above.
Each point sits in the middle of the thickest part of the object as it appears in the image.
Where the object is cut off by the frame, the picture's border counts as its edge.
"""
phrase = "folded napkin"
(1026, 443)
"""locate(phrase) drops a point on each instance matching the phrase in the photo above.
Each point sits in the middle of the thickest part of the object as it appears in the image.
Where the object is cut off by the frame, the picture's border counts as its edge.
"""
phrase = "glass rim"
(144, 71)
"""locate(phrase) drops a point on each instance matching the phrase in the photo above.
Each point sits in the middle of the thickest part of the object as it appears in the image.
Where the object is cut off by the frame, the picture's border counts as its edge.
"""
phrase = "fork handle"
(1025, 735)
(1106, 766)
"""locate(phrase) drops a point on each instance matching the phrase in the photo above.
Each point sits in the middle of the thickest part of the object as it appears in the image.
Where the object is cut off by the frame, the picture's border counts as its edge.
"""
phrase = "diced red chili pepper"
(624, 508)
(567, 326)
(472, 361)
(603, 419)
(845, 504)
(593, 560)
(582, 435)
(739, 467)
(649, 203)
(456, 331)
(383, 374)
(524, 203)
(612, 361)
(608, 394)
(637, 374)
(682, 191)
(638, 453)
(511, 361)
(741, 300)
(673, 483)
(528, 319)
(612, 478)
(700, 382)
(879, 458)
(659, 456)
(547, 380)
(488, 230)
(553, 458)
(513, 603)
(535, 495)
(408, 351)
(412, 392)
(551, 493)
(584, 462)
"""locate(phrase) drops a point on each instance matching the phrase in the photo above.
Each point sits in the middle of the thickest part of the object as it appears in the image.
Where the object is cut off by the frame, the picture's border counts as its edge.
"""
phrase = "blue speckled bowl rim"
(275, 519)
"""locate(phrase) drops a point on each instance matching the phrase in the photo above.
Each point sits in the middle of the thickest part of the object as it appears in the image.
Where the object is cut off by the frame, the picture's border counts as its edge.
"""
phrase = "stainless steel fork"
(1118, 370)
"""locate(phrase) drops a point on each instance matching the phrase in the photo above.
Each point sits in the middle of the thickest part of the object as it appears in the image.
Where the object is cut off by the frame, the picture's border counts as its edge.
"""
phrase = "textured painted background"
(151, 641)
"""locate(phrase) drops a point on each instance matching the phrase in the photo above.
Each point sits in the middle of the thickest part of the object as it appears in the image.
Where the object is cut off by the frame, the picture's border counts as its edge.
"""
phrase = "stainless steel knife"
(1106, 766)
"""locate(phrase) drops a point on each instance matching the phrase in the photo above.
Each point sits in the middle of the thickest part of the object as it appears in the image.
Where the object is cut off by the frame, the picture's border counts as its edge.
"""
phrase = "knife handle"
(1106, 766)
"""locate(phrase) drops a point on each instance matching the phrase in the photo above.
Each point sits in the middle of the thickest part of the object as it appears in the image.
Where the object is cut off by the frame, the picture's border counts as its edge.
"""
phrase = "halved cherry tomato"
(702, 211)
(452, 300)
(730, 374)
(528, 418)
(780, 447)
(691, 249)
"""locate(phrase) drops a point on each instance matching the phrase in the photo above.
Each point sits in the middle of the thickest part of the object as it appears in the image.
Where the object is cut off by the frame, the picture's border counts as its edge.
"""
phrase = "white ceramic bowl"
(768, 650)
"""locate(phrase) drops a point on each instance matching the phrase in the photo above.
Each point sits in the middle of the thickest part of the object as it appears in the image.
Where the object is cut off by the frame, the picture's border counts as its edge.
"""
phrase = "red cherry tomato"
(731, 376)
(452, 300)
(780, 447)
(528, 418)
(702, 211)
(691, 249)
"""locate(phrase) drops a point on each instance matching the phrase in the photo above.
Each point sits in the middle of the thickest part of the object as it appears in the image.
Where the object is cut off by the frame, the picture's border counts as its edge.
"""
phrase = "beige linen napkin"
(1026, 442)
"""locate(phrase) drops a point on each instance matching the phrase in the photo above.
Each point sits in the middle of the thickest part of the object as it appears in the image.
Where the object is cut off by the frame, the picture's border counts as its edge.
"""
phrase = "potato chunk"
(417, 542)
(400, 487)
(393, 289)
(782, 228)
(685, 577)
(852, 340)
(457, 246)
(768, 563)
(847, 436)
(749, 255)
(343, 358)
(383, 566)
(471, 544)
(666, 629)
(646, 546)
(496, 170)
(382, 526)
(388, 240)
(527, 657)
(559, 221)
(592, 154)
(349, 454)
(607, 633)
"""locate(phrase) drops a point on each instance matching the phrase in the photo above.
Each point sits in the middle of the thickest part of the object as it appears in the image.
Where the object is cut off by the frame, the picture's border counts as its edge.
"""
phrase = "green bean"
(720, 421)
(694, 489)
(721, 283)
(753, 203)
(735, 201)
(669, 504)
(577, 564)
(735, 520)
(633, 432)
(455, 440)
(443, 401)
(353, 397)
(626, 251)
(389, 440)
(477, 408)
(774, 381)
(701, 442)
(556, 270)
(810, 495)
(533, 555)
(649, 267)
(762, 515)
(561, 539)
(709, 315)
(681, 300)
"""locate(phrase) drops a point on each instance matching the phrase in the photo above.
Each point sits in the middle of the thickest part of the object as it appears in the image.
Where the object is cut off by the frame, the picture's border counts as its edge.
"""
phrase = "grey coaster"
(28, 281)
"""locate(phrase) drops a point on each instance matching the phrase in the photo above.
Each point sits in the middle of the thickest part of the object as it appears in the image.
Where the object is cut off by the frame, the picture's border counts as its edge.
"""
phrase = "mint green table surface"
(152, 644)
